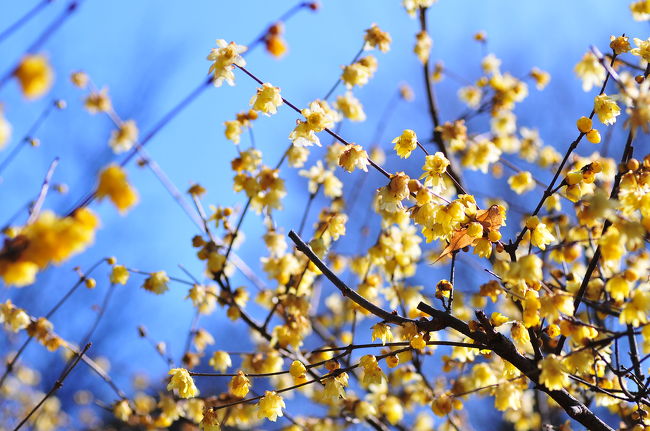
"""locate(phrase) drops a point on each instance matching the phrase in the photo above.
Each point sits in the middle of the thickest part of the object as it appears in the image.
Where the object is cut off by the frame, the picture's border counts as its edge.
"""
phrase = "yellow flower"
(454, 133)
(182, 382)
(224, 57)
(423, 44)
(267, 99)
(270, 406)
(5, 130)
(297, 156)
(239, 385)
(122, 410)
(202, 339)
(590, 71)
(412, 6)
(275, 45)
(354, 156)
(233, 131)
(13, 317)
(157, 283)
(382, 332)
(317, 174)
(643, 49)
(363, 409)
(350, 107)
(640, 10)
(435, 166)
(540, 77)
(553, 374)
(471, 95)
(113, 184)
(124, 137)
(34, 75)
(553, 304)
(522, 182)
(79, 79)
(498, 319)
(418, 342)
(618, 287)
(210, 420)
(335, 386)
(606, 109)
(635, 311)
(98, 101)
(298, 371)
(620, 45)
(392, 409)
(507, 396)
(376, 38)
(355, 74)
(441, 405)
(220, 361)
(540, 235)
(531, 306)
(480, 155)
(490, 64)
(318, 117)
(49, 239)
(503, 124)
(372, 373)
(405, 143)
(119, 275)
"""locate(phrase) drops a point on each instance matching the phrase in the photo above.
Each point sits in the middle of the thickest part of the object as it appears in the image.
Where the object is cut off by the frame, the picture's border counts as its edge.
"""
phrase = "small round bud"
(392, 361)
(414, 185)
(633, 164)
(61, 188)
(494, 235)
(90, 283)
(593, 136)
(573, 178)
(332, 365)
(584, 124)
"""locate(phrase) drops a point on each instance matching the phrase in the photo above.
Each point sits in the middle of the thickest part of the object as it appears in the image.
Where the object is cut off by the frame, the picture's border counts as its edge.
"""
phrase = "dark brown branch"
(57, 385)
(435, 116)
(345, 290)
(505, 349)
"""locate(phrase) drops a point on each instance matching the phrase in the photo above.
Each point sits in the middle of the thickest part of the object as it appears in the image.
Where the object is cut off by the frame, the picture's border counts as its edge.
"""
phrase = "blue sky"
(151, 54)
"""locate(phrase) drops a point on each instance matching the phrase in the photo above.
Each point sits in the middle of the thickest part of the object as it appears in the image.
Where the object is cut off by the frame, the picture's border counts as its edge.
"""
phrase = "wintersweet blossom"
(405, 143)
(224, 57)
(590, 71)
(157, 283)
(376, 38)
(113, 183)
(267, 99)
(35, 75)
(270, 406)
(642, 49)
(124, 138)
(182, 382)
(354, 156)
(553, 375)
(606, 109)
